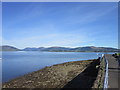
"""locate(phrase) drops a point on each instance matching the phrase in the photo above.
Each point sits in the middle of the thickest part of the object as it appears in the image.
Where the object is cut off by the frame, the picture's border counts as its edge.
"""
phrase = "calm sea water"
(18, 63)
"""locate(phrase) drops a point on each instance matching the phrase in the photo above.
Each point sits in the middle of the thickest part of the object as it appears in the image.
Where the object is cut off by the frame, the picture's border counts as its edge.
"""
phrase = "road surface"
(113, 72)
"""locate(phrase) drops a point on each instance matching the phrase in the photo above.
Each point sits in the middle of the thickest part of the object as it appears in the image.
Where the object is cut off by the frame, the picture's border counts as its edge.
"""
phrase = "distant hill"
(95, 49)
(33, 49)
(30, 49)
(62, 49)
(59, 49)
(8, 48)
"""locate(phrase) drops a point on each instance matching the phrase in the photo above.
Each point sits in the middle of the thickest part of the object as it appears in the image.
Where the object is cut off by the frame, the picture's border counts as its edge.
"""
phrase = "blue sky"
(60, 24)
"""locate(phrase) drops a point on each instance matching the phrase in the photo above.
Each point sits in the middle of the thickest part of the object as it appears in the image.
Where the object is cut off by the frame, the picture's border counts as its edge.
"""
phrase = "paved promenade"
(113, 72)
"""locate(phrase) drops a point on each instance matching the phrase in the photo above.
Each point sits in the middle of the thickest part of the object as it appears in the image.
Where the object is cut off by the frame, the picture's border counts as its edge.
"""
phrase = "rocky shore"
(76, 74)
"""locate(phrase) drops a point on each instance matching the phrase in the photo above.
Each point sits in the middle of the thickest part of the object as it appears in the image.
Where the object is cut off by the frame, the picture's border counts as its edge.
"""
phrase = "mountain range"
(61, 49)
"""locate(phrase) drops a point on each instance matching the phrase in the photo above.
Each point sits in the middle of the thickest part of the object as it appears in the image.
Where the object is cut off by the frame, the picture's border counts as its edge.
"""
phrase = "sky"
(65, 24)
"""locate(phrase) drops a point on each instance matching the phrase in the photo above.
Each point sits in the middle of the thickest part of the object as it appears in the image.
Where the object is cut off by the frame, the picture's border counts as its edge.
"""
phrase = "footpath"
(113, 72)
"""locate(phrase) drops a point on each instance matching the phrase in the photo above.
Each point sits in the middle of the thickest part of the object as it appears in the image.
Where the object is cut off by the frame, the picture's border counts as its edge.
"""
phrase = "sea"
(18, 63)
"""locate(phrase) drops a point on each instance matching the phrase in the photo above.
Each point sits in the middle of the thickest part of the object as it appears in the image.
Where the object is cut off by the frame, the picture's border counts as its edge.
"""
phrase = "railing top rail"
(105, 86)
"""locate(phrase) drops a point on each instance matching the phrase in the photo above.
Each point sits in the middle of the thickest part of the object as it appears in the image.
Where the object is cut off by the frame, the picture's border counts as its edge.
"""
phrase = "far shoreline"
(61, 51)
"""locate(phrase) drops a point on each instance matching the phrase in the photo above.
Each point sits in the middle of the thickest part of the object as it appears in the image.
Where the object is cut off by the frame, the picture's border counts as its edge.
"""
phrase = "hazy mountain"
(41, 48)
(30, 49)
(56, 49)
(33, 49)
(63, 49)
(8, 48)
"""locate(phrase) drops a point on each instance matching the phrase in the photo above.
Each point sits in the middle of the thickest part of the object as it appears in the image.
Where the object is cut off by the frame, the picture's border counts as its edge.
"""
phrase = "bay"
(18, 63)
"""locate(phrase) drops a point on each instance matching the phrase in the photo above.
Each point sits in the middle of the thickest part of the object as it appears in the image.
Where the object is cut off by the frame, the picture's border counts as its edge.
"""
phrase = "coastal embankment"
(76, 74)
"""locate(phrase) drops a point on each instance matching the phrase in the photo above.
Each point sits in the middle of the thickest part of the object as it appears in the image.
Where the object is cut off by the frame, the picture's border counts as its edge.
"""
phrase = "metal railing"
(105, 83)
